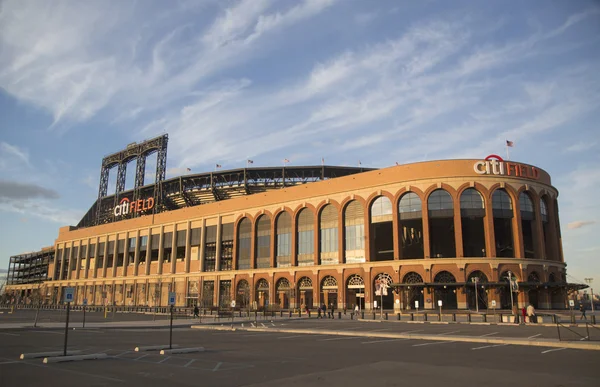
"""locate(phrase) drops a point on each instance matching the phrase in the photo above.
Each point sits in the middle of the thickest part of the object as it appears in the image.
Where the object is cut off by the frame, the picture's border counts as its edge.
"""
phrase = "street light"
(589, 281)
(510, 287)
(474, 280)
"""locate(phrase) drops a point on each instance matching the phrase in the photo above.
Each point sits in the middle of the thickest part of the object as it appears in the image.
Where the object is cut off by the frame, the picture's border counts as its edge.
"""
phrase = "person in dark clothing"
(582, 310)
(319, 311)
(324, 307)
(196, 311)
(332, 309)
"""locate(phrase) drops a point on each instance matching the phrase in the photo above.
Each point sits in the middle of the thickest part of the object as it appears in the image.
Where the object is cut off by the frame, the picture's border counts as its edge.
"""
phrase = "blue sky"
(375, 81)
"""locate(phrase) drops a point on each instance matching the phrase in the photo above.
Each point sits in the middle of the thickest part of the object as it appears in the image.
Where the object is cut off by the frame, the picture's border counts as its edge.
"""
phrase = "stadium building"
(291, 237)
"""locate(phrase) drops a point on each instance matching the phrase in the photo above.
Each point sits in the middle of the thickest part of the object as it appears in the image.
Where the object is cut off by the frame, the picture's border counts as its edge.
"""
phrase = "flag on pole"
(250, 161)
(359, 163)
(510, 143)
(188, 169)
(285, 161)
(322, 161)
(219, 165)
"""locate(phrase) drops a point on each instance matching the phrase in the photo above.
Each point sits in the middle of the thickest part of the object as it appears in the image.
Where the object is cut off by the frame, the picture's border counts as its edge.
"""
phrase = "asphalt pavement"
(242, 358)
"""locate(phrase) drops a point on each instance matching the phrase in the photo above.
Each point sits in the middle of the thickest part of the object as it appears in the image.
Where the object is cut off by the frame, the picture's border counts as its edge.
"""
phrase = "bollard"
(309, 314)
(398, 316)
(412, 317)
(363, 315)
(299, 313)
(374, 315)
(485, 318)
(425, 316)
(386, 315)
(290, 314)
(469, 317)
(281, 313)
(339, 315)
(593, 319)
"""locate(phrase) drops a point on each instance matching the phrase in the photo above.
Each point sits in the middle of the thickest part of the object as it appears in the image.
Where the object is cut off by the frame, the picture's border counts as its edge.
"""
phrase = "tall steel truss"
(138, 152)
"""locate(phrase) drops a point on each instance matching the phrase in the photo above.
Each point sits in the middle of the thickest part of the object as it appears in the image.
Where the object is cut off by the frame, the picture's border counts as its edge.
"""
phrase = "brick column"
(161, 242)
(188, 239)
(218, 247)
(202, 243)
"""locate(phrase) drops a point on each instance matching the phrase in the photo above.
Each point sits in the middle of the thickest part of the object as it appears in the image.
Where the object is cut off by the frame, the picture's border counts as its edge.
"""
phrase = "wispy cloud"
(9, 153)
(581, 146)
(19, 190)
(579, 224)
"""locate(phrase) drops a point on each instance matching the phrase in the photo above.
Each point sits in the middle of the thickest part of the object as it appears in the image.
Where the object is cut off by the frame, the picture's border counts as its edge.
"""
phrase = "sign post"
(171, 304)
(232, 311)
(69, 296)
(440, 305)
(417, 306)
(85, 302)
(571, 305)
(494, 308)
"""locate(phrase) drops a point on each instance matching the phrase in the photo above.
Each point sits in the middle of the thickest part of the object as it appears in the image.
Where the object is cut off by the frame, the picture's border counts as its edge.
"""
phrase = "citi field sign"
(125, 206)
(495, 165)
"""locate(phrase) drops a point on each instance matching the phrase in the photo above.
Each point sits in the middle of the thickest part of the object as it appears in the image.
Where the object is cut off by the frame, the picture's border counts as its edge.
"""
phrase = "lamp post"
(512, 304)
(589, 281)
(474, 280)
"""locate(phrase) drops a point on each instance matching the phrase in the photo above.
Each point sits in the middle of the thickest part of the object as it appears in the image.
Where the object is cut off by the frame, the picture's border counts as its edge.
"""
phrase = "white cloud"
(10, 153)
(579, 224)
(581, 146)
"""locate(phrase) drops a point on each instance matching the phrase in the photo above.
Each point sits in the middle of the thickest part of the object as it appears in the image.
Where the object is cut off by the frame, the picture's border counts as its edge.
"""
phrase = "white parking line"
(9, 362)
(55, 333)
(9, 334)
(447, 333)
(434, 343)
(165, 359)
(217, 367)
(489, 334)
(416, 330)
(552, 350)
(381, 341)
(489, 346)
(340, 338)
(531, 337)
(189, 362)
(379, 330)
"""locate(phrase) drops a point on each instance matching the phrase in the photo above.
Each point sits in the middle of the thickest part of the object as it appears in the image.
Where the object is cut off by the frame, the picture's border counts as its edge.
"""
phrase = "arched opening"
(546, 229)
(527, 224)
(476, 290)
(354, 228)
(445, 289)
(244, 243)
(242, 295)
(305, 292)
(261, 298)
(305, 238)
(411, 226)
(382, 291)
(382, 230)
(506, 301)
(441, 224)
(328, 224)
(533, 281)
(413, 292)
(284, 240)
(355, 292)
(503, 214)
(329, 289)
(284, 293)
(263, 242)
(472, 212)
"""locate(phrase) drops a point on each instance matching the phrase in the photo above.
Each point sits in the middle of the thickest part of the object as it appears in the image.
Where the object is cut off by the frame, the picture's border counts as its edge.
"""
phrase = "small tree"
(38, 294)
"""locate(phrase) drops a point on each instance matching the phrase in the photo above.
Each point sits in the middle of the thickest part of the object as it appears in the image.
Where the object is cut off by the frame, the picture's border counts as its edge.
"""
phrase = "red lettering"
(140, 205)
(523, 170)
(132, 207)
(535, 173)
(150, 203)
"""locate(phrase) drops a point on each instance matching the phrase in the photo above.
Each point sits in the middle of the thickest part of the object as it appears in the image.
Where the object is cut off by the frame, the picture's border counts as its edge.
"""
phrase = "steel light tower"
(589, 281)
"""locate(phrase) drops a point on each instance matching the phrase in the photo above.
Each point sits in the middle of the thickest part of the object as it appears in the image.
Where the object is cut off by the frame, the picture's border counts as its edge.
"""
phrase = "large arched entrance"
(413, 292)
(283, 293)
(329, 289)
(242, 294)
(305, 292)
(533, 281)
(261, 297)
(445, 290)
(383, 294)
(355, 292)
(476, 282)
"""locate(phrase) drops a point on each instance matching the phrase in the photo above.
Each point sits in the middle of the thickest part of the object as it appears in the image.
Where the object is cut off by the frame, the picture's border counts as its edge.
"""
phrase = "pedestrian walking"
(319, 311)
(324, 307)
(582, 310)
(356, 310)
(531, 314)
(196, 311)
(524, 313)
(332, 309)
(516, 314)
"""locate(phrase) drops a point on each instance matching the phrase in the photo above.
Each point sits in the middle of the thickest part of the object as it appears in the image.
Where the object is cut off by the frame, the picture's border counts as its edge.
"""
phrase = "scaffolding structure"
(29, 268)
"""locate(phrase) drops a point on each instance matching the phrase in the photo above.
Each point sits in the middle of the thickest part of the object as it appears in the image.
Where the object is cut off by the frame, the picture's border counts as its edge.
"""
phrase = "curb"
(414, 336)
(60, 359)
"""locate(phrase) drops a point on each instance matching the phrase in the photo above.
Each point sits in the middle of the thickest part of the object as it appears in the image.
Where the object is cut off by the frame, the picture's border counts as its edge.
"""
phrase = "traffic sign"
(494, 303)
(171, 298)
(417, 304)
(233, 303)
(439, 302)
(85, 301)
(69, 295)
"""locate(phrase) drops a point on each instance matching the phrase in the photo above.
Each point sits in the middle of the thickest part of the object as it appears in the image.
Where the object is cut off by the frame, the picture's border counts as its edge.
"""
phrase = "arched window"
(382, 230)
(305, 292)
(328, 224)
(476, 290)
(527, 224)
(354, 227)
(263, 242)
(441, 224)
(242, 297)
(284, 240)
(411, 226)
(412, 278)
(305, 238)
(244, 244)
(472, 212)
(546, 228)
(503, 213)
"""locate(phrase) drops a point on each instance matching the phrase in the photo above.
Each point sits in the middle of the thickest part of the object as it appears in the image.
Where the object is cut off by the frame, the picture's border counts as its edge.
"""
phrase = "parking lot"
(235, 358)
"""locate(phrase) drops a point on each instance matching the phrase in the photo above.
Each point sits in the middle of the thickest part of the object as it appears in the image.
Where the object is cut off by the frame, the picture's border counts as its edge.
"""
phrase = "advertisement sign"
(495, 165)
